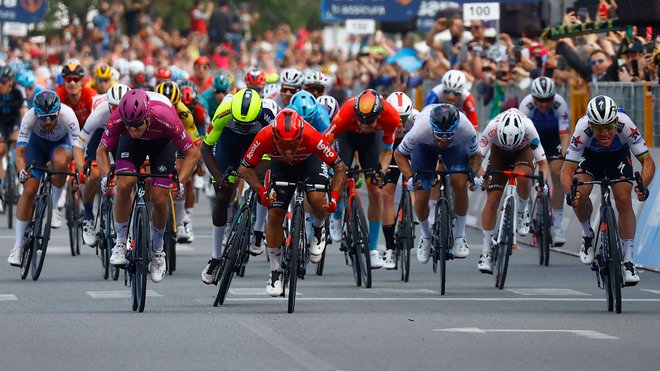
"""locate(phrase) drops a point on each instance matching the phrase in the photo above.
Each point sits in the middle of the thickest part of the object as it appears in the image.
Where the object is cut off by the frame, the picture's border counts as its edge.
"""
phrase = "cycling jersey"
(489, 138)
(210, 101)
(313, 143)
(92, 84)
(204, 85)
(200, 117)
(10, 106)
(67, 124)
(321, 119)
(96, 120)
(465, 103)
(627, 134)
(82, 108)
(188, 121)
(223, 120)
(347, 121)
(163, 123)
(549, 125)
(405, 127)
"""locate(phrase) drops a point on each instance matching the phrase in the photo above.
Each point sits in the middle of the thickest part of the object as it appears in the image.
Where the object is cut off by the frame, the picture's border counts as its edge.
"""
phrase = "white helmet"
(330, 104)
(453, 80)
(149, 70)
(121, 64)
(401, 102)
(316, 78)
(271, 91)
(117, 92)
(271, 105)
(291, 77)
(135, 67)
(601, 110)
(543, 87)
(511, 128)
(115, 74)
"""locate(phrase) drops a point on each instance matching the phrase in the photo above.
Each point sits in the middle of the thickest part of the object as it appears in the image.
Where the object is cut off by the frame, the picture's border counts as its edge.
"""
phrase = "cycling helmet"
(316, 78)
(271, 91)
(171, 90)
(115, 74)
(185, 83)
(453, 81)
(135, 67)
(255, 78)
(163, 73)
(271, 105)
(221, 83)
(444, 118)
(511, 128)
(291, 77)
(401, 102)
(246, 106)
(272, 78)
(543, 87)
(601, 110)
(122, 65)
(103, 71)
(288, 127)
(304, 103)
(46, 102)
(330, 104)
(202, 60)
(26, 78)
(134, 107)
(6, 72)
(368, 105)
(73, 69)
(188, 95)
(116, 93)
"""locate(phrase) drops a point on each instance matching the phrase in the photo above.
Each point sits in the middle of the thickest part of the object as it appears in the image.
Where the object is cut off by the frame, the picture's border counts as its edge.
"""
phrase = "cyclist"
(407, 115)
(102, 79)
(315, 83)
(291, 144)
(235, 124)
(513, 142)
(549, 113)
(84, 149)
(600, 148)
(255, 79)
(310, 110)
(163, 74)
(452, 90)
(27, 84)
(13, 108)
(271, 91)
(74, 94)
(202, 79)
(330, 104)
(357, 127)
(46, 134)
(144, 124)
(219, 90)
(291, 81)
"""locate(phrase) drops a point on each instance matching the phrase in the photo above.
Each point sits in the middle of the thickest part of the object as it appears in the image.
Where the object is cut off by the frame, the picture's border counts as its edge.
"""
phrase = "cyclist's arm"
(103, 159)
(339, 176)
(403, 162)
(261, 145)
(564, 123)
(648, 168)
(190, 158)
(209, 160)
(545, 168)
(470, 109)
(567, 172)
(188, 121)
(250, 176)
(19, 157)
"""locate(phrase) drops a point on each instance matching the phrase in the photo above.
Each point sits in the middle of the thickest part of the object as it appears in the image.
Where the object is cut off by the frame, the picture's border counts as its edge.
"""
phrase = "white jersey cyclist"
(489, 138)
(96, 120)
(67, 124)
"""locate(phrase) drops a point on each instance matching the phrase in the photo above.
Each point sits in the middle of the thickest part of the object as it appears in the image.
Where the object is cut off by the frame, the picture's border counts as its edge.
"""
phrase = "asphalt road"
(546, 318)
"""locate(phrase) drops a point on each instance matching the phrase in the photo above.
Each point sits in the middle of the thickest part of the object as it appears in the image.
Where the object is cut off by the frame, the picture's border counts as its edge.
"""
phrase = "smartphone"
(516, 53)
(635, 67)
(582, 14)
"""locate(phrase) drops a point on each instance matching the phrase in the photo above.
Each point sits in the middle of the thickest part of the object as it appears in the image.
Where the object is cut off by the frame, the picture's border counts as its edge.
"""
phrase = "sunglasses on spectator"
(545, 100)
(596, 61)
(289, 90)
(201, 66)
(454, 93)
(72, 79)
(50, 117)
(103, 80)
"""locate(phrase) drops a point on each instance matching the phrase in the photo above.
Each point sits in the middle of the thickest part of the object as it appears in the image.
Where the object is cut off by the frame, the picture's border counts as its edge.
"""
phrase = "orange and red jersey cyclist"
(74, 94)
(202, 78)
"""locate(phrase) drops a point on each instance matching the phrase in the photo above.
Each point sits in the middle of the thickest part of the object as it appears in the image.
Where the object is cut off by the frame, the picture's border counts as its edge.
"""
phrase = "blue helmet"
(304, 103)
(26, 78)
(46, 102)
(444, 118)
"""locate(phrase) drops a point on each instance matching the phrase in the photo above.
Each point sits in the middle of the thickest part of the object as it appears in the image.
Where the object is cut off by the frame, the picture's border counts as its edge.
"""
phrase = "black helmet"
(444, 118)
(46, 102)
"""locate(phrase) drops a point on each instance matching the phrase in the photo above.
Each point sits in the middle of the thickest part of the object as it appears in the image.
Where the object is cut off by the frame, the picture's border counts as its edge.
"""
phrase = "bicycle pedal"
(486, 272)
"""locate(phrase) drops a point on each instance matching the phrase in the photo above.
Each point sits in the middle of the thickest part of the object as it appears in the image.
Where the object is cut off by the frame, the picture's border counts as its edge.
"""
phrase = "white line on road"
(547, 292)
(585, 333)
(118, 294)
(652, 291)
(8, 297)
(572, 299)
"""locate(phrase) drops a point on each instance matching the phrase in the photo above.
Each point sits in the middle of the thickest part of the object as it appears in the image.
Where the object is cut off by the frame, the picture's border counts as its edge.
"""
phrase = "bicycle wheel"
(545, 231)
(405, 235)
(298, 233)
(230, 256)
(141, 249)
(26, 255)
(321, 263)
(72, 216)
(169, 245)
(441, 232)
(349, 246)
(11, 194)
(505, 246)
(43, 210)
(361, 241)
(614, 263)
(110, 237)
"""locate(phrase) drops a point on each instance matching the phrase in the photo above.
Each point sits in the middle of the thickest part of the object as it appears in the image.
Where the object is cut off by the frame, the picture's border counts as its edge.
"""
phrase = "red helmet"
(368, 105)
(255, 78)
(288, 127)
(163, 73)
(188, 95)
(202, 60)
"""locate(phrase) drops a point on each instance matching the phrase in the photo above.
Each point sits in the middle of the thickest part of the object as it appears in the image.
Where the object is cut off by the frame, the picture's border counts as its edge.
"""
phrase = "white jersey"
(67, 124)
(627, 134)
(489, 138)
(422, 133)
(96, 120)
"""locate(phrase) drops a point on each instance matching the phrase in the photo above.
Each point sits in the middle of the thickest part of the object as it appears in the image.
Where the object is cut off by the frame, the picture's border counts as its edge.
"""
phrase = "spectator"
(200, 14)
(132, 15)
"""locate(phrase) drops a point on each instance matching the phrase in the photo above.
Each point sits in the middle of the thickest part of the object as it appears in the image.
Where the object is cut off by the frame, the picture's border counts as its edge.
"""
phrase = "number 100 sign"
(481, 11)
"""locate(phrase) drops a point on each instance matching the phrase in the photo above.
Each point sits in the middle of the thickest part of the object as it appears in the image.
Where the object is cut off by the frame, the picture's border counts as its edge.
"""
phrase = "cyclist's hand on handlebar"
(24, 175)
(266, 199)
(573, 200)
(177, 192)
(543, 190)
(642, 194)
(107, 185)
(331, 206)
(82, 177)
(477, 184)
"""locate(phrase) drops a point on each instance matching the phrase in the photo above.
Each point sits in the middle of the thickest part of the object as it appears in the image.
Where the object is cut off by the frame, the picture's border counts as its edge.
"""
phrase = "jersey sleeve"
(96, 120)
(534, 140)
(321, 147)
(344, 117)
(467, 136)
(578, 141)
(112, 131)
(561, 113)
(69, 119)
(221, 118)
(321, 121)
(470, 109)
(487, 137)
(188, 121)
(526, 106)
(432, 98)
(416, 135)
(389, 121)
(261, 145)
(631, 136)
(27, 123)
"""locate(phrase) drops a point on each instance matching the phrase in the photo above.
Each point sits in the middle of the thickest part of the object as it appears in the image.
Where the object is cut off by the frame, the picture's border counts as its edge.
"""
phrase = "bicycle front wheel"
(72, 220)
(43, 214)
(361, 241)
(237, 238)
(442, 229)
(140, 257)
(405, 235)
(298, 234)
(505, 246)
(614, 264)
(545, 230)
(169, 245)
(26, 254)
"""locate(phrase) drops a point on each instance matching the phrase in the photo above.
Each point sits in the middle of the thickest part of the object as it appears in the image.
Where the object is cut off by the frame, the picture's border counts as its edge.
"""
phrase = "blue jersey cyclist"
(314, 113)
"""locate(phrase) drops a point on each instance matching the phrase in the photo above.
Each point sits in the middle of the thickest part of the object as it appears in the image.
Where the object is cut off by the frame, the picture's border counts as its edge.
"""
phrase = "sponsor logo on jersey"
(162, 168)
(254, 147)
(619, 127)
(325, 148)
(575, 141)
(534, 144)
(483, 142)
(589, 131)
(492, 133)
(634, 134)
(124, 155)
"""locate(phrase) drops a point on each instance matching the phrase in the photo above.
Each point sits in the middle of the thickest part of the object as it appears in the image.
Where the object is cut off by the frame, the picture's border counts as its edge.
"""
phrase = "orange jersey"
(84, 105)
(202, 86)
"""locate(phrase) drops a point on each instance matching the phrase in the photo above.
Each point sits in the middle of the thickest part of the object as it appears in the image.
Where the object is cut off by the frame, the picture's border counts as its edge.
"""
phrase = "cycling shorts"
(425, 157)
(230, 149)
(313, 171)
(40, 151)
(502, 160)
(132, 153)
(612, 165)
(7, 129)
(368, 147)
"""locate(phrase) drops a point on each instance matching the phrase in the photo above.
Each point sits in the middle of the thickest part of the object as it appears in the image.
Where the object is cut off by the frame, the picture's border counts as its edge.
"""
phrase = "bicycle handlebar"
(372, 172)
(444, 173)
(318, 187)
(174, 176)
(637, 178)
(51, 172)
(513, 174)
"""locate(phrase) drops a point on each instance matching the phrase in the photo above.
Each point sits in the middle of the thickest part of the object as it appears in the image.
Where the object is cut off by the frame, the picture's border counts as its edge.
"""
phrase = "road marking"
(652, 291)
(8, 297)
(118, 294)
(524, 299)
(547, 292)
(590, 334)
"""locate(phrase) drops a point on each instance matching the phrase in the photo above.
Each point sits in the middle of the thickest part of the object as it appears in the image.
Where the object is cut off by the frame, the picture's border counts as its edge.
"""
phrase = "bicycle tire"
(614, 263)
(442, 229)
(505, 246)
(361, 241)
(347, 241)
(110, 234)
(26, 254)
(72, 215)
(102, 242)
(405, 235)
(229, 258)
(546, 238)
(41, 234)
(141, 256)
(169, 245)
(321, 264)
(245, 258)
(298, 233)
(11, 194)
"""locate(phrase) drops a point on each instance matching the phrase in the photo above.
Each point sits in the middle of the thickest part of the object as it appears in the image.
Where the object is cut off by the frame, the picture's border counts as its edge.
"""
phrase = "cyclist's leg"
(622, 197)
(523, 162)
(456, 158)
(162, 157)
(92, 185)
(260, 214)
(499, 160)
(130, 157)
(3, 150)
(368, 149)
(392, 178)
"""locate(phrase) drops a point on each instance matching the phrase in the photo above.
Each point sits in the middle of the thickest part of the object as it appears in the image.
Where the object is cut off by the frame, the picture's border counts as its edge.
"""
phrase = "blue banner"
(23, 11)
(379, 10)
(647, 236)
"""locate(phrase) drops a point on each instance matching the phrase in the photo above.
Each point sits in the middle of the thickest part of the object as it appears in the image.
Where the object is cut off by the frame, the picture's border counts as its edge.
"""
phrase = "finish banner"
(379, 10)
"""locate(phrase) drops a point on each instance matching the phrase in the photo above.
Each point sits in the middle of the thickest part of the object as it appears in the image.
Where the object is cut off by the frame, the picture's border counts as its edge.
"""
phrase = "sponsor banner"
(379, 10)
(23, 11)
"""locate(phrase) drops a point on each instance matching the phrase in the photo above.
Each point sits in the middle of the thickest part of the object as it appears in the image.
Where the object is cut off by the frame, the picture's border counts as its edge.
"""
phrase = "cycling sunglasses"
(103, 80)
(446, 134)
(72, 79)
(454, 93)
(136, 124)
(604, 127)
(4, 81)
(50, 117)
(289, 90)
(315, 89)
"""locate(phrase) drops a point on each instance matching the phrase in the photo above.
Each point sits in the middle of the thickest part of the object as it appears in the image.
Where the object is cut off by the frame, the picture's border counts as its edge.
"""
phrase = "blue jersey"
(321, 119)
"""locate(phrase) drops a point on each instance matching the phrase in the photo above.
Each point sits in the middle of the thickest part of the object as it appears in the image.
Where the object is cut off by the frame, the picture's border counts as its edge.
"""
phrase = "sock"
(89, 210)
(216, 240)
(20, 226)
(317, 223)
(275, 254)
(459, 228)
(627, 250)
(157, 242)
(337, 215)
(122, 231)
(260, 218)
(586, 229)
(57, 193)
(388, 233)
(308, 226)
(432, 205)
(557, 217)
(189, 212)
(425, 226)
(521, 204)
(488, 236)
(374, 232)
(179, 210)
